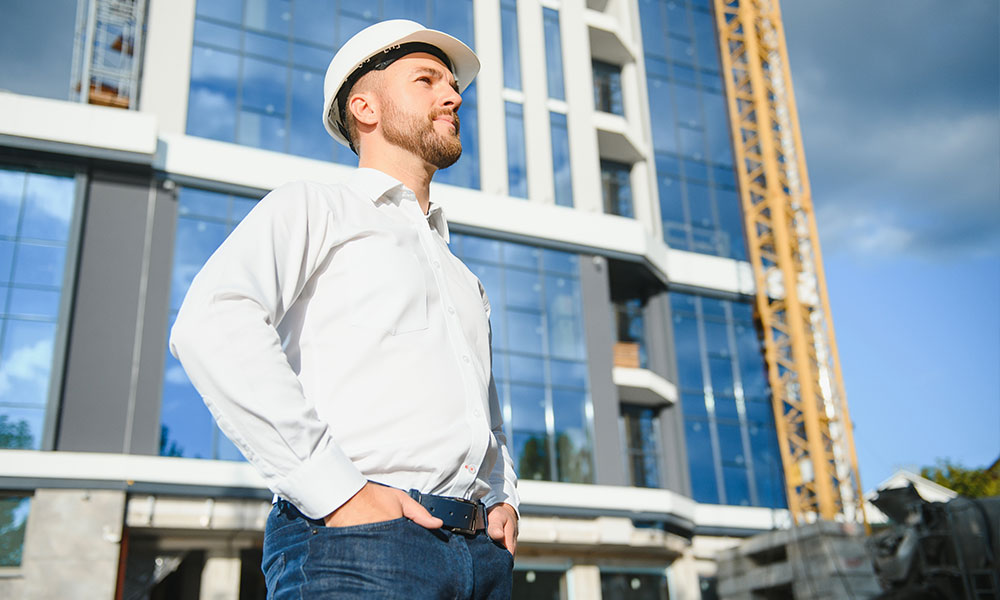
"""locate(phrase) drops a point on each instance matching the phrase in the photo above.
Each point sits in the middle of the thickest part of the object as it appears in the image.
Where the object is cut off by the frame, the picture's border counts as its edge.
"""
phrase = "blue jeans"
(303, 559)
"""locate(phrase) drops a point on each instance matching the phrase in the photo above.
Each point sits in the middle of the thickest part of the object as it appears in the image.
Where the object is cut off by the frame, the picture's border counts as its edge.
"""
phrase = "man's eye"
(424, 79)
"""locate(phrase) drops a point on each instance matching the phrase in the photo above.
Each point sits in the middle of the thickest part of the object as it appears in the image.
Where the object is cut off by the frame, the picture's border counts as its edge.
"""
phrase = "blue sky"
(899, 104)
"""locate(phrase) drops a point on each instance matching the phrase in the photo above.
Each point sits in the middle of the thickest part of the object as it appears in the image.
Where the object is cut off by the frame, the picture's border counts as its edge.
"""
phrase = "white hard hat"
(390, 39)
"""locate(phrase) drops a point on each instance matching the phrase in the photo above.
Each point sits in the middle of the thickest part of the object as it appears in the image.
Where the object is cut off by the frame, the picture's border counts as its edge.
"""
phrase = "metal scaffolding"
(815, 433)
(106, 57)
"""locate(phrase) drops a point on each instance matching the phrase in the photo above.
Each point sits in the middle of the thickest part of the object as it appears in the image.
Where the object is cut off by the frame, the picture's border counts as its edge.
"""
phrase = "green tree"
(13, 513)
(971, 483)
(15, 434)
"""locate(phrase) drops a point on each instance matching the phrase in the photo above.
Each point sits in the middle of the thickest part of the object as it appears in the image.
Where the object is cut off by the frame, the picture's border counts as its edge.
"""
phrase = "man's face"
(420, 104)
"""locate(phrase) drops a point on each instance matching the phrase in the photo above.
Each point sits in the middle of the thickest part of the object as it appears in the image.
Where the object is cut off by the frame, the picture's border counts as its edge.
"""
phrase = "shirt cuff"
(322, 484)
(507, 495)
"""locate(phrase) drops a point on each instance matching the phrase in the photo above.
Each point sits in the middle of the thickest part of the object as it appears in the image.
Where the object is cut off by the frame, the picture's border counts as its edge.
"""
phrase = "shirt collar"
(376, 185)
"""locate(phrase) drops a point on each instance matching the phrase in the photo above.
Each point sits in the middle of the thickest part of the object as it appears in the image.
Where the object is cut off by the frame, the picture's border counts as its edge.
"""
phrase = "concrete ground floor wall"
(105, 544)
(72, 546)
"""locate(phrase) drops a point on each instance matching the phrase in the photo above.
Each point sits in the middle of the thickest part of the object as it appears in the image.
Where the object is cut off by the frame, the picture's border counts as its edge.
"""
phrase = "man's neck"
(412, 171)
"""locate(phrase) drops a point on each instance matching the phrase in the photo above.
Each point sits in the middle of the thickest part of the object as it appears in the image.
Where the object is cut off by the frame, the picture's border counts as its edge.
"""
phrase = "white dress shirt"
(336, 339)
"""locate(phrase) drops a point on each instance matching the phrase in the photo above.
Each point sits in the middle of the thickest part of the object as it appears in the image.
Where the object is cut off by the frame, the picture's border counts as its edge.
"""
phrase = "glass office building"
(595, 200)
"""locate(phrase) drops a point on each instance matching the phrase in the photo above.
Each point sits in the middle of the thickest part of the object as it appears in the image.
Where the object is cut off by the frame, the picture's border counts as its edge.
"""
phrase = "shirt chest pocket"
(387, 290)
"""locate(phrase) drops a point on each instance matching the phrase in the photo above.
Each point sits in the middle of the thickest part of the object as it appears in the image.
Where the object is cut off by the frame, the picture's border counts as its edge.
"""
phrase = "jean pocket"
(365, 527)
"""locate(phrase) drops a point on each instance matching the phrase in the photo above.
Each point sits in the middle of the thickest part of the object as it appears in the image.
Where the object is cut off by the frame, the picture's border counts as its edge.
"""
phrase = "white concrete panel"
(534, 84)
(166, 68)
(490, 95)
(71, 124)
(748, 517)
(710, 272)
(579, 78)
(643, 386)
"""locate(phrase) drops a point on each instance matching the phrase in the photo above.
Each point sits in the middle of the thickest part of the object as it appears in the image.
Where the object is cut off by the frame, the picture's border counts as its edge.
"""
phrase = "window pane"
(701, 461)
(511, 52)
(553, 54)
(560, 160)
(617, 188)
(212, 96)
(688, 351)
(573, 446)
(608, 88)
(35, 214)
(634, 586)
(13, 520)
(737, 485)
(517, 172)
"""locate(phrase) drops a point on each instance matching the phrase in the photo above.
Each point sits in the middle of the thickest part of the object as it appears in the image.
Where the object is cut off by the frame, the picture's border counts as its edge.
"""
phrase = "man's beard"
(417, 135)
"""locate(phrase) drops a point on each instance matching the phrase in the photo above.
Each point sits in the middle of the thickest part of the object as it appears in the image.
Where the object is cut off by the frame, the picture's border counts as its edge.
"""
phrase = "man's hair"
(369, 82)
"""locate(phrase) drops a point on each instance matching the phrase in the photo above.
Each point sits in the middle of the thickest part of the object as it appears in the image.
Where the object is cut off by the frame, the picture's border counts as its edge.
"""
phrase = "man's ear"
(364, 107)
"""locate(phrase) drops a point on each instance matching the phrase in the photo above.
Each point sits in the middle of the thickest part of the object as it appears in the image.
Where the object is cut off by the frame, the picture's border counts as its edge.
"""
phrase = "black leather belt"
(459, 515)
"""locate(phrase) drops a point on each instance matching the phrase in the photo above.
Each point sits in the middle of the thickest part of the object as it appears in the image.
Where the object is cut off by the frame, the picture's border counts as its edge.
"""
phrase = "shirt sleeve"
(502, 479)
(226, 339)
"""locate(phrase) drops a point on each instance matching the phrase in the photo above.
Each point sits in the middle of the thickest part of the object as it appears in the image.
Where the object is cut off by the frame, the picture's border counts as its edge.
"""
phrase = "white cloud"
(27, 364)
(175, 375)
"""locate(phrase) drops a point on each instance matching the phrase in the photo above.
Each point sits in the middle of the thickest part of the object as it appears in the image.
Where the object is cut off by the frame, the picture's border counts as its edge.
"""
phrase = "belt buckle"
(480, 517)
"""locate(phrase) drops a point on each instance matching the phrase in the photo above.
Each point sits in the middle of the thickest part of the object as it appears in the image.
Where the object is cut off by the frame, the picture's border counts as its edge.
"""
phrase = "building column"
(220, 578)
(584, 582)
(682, 576)
(72, 544)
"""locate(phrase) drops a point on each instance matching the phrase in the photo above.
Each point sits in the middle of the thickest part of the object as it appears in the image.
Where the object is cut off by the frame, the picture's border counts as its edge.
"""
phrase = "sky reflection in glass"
(257, 71)
(36, 211)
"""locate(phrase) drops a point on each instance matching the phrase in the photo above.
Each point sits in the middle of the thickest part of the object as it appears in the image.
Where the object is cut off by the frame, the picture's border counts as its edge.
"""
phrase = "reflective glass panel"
(517, 170)
(553, 54)
(36, 211)
(13, 520)
(560, 160)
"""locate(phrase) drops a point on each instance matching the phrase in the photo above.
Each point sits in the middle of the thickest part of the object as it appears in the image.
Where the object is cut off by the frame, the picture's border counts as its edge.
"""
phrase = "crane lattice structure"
(815, 434)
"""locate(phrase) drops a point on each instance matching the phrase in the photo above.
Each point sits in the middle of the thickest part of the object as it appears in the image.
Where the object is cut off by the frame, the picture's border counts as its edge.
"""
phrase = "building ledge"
(642, 386)
(47, 125)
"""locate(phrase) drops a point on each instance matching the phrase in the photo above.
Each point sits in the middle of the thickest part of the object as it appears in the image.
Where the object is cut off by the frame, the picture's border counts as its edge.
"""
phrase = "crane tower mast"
(815, 434)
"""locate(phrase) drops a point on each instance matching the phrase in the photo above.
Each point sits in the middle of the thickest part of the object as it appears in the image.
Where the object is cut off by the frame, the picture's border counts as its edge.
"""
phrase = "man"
(342, 347)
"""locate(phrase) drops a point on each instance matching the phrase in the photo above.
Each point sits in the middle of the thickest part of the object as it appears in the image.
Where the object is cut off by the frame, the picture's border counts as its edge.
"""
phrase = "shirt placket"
(465, 480)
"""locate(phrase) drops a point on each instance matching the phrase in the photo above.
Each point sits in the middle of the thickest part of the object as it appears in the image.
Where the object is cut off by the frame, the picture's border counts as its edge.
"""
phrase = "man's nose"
(452, 99)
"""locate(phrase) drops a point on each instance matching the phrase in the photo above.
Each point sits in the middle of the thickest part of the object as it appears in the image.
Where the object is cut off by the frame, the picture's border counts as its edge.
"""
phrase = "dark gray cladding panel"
(662, 360)
(105, 406)
(597, 310)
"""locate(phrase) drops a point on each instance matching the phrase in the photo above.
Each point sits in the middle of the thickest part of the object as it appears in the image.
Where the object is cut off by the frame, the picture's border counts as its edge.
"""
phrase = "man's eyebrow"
(436, 73)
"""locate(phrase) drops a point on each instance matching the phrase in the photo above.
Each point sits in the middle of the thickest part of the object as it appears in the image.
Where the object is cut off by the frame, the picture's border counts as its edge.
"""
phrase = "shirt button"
(475, 412)
(451, 310)
(437, 264)
(465, 359)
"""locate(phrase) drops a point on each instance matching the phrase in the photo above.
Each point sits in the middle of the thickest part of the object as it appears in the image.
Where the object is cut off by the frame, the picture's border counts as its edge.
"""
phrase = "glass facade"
(540, 358)
(511, 50)
(517, 162)
(641, 426)
(729, 426)
(204, 219)
(560, 160)
(553, 54)
(616, 188)
(608, 88)
(539, 354)
(535, 584)
(36, 212)
(13, 519)
(699, 204)
(257, 71)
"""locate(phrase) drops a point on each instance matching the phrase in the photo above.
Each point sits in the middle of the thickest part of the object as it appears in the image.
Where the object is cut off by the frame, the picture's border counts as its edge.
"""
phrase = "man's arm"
(225, 338)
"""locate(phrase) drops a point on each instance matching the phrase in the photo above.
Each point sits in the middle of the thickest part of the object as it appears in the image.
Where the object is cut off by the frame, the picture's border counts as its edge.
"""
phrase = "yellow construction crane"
(815, 433)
